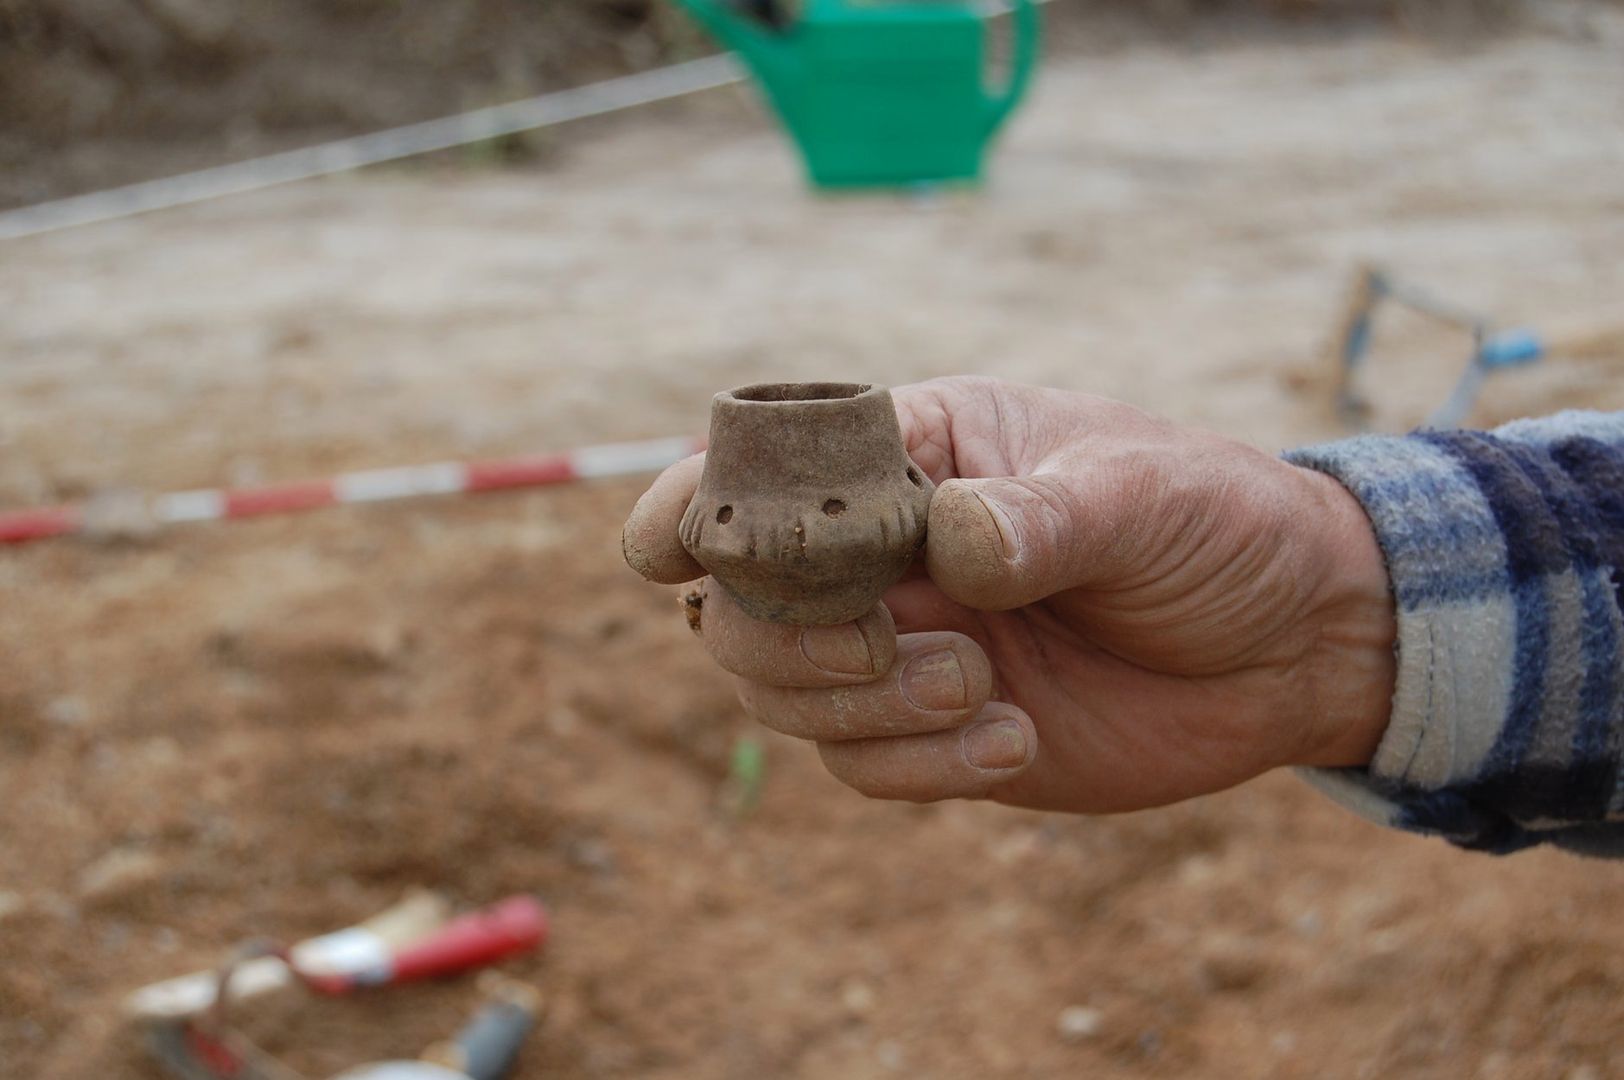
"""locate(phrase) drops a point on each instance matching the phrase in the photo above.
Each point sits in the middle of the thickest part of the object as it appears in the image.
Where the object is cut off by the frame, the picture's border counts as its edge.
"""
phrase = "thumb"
(1003, 542)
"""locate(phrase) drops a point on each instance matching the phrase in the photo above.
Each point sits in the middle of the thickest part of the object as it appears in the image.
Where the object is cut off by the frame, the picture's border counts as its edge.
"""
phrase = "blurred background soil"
(276, 728)
(97, 92)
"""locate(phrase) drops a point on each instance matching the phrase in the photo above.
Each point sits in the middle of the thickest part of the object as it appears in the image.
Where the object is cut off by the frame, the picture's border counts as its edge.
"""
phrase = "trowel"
(485, 1049)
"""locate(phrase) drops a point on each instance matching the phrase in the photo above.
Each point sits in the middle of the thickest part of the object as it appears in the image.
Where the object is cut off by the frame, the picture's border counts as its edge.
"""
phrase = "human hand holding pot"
(1111, 612)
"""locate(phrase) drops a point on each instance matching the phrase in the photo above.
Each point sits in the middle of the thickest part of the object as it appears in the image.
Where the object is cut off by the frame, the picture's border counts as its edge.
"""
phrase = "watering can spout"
(764, 48)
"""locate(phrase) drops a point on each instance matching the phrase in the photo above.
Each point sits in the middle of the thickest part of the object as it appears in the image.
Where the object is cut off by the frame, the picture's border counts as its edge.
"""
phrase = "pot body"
(809, 507)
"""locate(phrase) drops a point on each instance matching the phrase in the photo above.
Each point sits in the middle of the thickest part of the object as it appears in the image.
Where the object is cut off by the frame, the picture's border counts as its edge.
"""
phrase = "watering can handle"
(1021, 65)
(733, 30)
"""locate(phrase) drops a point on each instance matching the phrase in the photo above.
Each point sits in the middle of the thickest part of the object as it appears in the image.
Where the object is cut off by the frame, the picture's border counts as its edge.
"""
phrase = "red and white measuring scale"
(370, 485)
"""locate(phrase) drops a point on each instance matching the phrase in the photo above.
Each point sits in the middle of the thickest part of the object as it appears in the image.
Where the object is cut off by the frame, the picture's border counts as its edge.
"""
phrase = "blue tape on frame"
(1511, 348)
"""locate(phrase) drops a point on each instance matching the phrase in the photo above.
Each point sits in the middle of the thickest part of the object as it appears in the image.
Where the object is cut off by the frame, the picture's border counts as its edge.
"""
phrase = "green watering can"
(879, 93)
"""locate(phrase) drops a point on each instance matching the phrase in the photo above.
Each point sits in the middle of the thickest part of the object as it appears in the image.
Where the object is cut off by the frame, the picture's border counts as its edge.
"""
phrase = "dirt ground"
(276, 728)
(99, 92)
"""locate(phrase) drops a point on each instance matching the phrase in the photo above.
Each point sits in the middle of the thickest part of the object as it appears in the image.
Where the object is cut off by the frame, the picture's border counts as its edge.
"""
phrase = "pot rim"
(810, 394)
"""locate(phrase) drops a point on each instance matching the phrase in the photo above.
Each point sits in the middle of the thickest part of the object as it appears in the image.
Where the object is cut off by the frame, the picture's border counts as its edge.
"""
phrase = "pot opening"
(821, 391)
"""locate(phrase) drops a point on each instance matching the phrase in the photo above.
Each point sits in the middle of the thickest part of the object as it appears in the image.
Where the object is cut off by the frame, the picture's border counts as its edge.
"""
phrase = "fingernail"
(1008, 539)
(934, 680)
(997, 744)
(841, 649)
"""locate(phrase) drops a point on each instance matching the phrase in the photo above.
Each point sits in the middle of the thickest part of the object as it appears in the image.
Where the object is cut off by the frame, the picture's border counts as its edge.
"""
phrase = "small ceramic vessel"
(809, 506)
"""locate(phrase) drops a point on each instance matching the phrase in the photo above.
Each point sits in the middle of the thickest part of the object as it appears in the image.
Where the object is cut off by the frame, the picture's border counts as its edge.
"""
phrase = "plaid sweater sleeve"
(1506, 555)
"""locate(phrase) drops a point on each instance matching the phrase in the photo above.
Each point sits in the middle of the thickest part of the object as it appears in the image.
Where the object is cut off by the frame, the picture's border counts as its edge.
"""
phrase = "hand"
(1119, 613)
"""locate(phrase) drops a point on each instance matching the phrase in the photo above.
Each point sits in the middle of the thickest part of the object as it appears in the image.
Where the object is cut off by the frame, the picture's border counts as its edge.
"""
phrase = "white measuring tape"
(594, 99)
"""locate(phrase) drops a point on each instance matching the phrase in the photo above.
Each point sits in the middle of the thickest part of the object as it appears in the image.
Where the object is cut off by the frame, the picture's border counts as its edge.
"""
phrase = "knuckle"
(872, 784)
(846, 762)
(869, 769)
(717, 646)
(765, 706)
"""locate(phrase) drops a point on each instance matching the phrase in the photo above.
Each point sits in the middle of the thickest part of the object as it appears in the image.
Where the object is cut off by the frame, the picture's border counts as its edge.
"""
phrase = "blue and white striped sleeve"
(1506, 554)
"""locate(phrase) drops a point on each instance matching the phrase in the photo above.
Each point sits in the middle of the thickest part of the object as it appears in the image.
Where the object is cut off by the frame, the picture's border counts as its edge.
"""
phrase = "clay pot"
(809, 507)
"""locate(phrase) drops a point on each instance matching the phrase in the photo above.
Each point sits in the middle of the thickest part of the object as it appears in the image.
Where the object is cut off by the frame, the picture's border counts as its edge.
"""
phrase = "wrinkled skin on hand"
(1112, 612)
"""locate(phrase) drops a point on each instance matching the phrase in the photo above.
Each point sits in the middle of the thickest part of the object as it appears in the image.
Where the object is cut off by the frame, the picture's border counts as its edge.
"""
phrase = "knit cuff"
(1456, 643)
(1505, 551)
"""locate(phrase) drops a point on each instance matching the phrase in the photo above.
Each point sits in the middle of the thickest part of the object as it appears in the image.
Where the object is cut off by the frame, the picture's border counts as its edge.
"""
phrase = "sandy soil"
(275, 728)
